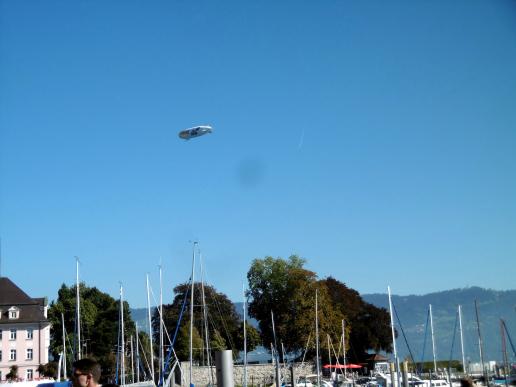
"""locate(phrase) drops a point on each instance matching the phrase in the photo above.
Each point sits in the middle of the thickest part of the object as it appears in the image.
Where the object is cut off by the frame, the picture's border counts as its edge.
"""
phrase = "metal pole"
(392, 368)
(161, 322)
(224, 365)
(329, 356)
(132, 360)
(393, 335)
(137, 356)
(150, 330)
(122, 351)
(462, 342)
(504, 353)
(317, 340)
(59, 366)
(278, 381)
(405, 374)
(78, 308)
(283, 355)
(245, 338)
(191, 314)
(344, 346)
(480, 345)
(433, 340)
(64, 347)
(205, 315)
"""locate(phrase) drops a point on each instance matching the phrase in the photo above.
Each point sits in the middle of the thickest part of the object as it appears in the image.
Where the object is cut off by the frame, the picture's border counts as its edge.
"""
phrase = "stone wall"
(257, 374)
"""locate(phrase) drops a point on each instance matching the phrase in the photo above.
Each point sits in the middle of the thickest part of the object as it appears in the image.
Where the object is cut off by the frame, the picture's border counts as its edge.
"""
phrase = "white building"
(476, 368)
(24, 331)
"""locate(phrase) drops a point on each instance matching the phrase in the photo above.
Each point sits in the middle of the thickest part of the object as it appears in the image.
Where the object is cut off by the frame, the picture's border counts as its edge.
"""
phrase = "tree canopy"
(99, 325)
(369, 326)
(286, 288)
(225, 328)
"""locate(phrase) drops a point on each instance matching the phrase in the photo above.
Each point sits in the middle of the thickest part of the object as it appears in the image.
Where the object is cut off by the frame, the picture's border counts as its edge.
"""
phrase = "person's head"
(85, 373)
(466, 382)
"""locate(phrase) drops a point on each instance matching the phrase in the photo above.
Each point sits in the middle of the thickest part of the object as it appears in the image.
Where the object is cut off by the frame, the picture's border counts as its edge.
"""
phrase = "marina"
(257, 193)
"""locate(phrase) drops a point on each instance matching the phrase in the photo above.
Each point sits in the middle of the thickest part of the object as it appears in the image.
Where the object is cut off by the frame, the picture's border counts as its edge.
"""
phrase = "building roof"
(30, 309)
(376, 357)
(11, 294)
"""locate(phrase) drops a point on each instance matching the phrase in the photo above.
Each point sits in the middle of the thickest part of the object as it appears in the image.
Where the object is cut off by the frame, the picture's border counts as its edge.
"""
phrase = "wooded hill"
(492, 305)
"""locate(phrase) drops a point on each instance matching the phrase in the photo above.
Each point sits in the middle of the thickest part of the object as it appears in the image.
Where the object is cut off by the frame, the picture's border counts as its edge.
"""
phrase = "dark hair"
(89, 366)
(466, 382)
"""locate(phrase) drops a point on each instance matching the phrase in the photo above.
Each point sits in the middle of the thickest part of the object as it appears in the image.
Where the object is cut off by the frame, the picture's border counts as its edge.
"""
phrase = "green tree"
(224, 324)
(182, 345)
(13, 373)
(217, 342)
(99, 325)
(287, 289)
(253, 336)
(48, 370)
(368, 326)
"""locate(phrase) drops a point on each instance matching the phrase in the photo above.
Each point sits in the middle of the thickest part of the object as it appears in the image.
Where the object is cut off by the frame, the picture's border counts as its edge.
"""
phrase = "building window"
(30, 374)
(13, 354)
(0, 334)
(14, 312)
(13, 334)
(29, 354)
(0, 359)
(30, 334)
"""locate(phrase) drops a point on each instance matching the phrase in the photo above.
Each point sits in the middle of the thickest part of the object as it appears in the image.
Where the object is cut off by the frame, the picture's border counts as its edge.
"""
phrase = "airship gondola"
(196, 131)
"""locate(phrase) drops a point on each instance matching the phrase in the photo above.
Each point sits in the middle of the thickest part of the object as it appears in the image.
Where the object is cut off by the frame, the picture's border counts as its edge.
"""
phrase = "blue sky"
(375, 139)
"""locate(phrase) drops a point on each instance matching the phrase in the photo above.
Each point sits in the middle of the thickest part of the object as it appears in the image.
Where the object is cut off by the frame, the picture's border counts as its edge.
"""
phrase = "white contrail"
(301, 140)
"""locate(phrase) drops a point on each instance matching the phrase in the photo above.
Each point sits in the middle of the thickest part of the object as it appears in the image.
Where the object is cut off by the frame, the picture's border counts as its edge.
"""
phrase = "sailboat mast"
(78, 308)
(191, 313)
(245, 337)
(137, 356)
(161, 353)
(64, 347)
(504, 353)
(205, 315)
(480, 344)
(329, 355)
(433, 340)
(132, 360)
(150, 329)
(122, 345)
(275, 351)
(317, 340)
(462, 341)
(283, 355)
(393, 335)
(344, 345)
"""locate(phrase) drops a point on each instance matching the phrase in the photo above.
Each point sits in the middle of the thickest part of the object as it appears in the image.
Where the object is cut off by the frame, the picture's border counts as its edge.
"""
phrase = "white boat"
(28, 383)
(415, 381)
(311, 381)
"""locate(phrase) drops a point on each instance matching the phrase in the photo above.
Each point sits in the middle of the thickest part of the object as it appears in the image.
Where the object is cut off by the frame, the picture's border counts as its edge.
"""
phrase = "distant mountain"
(139, 316)
(239, 306)
(413, 311)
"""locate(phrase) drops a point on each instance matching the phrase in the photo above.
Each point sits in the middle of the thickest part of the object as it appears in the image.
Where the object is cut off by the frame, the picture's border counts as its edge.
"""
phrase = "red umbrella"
(342, 366)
